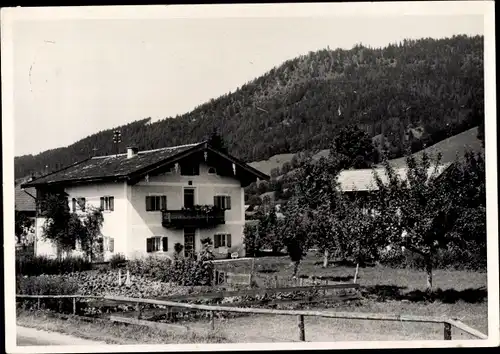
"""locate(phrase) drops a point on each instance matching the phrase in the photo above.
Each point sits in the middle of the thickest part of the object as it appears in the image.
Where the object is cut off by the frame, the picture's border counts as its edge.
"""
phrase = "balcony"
(197, 217)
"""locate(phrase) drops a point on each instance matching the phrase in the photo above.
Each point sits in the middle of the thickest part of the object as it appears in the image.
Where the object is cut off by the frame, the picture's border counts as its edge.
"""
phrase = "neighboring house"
(361, 183)
(25, 206)
(154, 199)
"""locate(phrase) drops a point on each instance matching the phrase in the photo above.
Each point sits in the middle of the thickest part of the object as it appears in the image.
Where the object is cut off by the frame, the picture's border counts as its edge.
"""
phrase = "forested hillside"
(416, 92)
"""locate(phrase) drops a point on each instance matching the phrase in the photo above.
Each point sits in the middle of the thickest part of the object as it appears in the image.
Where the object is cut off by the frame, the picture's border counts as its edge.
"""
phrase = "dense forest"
(414, 93)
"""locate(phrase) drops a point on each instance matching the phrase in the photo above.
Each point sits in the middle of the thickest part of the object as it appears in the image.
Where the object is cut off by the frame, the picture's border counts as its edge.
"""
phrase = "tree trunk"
(325, 259)
(296, 268)
(428, 270)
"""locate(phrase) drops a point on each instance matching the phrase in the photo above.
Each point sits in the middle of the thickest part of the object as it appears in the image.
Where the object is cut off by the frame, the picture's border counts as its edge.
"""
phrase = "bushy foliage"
(433, 213)
(47, 285)
(299, 105)
(183, 271)
(117, 260)
(37, 265)
(251, 240)
(58, 220)
(355, 146)
(65, 230)
(44, 285)
(452, 258)
(22, 225)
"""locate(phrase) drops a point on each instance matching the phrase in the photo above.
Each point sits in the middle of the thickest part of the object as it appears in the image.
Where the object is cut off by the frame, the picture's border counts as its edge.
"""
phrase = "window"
(108, 244)
(222, 202)
(156, 202)
(212, 171)
(190, 169)
(157, 243)
(108, 203)
(222, 240)
(188, 197)
(78, 204)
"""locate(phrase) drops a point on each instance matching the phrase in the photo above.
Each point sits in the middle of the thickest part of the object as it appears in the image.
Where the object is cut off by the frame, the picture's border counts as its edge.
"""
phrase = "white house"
(154, 199)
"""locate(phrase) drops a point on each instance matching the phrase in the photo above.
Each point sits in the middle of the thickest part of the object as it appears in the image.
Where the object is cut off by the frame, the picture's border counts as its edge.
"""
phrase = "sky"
(75, 77)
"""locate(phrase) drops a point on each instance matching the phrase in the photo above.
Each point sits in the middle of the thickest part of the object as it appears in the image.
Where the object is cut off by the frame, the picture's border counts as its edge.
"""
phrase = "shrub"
(45, 285)
(178, 247)
(117, 260)
(184, 271)
(38, 265)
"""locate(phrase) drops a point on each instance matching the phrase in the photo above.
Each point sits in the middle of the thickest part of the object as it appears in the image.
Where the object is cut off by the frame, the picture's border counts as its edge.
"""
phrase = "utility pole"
(117, 139)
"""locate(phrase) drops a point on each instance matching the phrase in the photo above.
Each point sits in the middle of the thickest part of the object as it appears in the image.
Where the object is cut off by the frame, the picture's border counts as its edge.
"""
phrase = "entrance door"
(188, 198)
(189, 242)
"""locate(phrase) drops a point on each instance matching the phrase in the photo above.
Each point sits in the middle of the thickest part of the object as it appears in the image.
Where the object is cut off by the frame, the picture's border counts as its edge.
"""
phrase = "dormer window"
(212, 171)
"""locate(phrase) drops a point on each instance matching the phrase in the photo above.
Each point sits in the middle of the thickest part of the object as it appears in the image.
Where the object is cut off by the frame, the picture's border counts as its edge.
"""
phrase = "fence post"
(74, 306)
(447, 331)
(212, 321)
(356, 273)
(38, 303)
(275, 281)
(128, 277)
(138, 309)
(302, 335)
(119, 277)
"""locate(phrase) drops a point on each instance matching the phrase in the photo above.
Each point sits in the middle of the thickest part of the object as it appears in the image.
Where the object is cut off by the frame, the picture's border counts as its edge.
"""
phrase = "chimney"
(131, 152)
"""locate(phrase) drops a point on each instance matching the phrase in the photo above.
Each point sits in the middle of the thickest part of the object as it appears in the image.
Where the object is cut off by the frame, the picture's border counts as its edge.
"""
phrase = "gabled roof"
(120, 167)
(363, 179)
(25, 199)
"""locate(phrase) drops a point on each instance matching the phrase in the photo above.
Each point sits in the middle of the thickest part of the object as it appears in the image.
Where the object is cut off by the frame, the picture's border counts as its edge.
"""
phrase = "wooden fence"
(448, 323)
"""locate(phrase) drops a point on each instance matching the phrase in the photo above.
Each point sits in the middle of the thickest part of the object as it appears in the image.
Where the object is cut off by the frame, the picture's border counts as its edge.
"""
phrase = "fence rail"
(300, 314)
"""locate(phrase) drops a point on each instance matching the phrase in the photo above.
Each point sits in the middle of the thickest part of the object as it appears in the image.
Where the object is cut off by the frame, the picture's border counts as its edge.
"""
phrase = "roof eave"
(135, 176)
(78, 181)
(242, 164)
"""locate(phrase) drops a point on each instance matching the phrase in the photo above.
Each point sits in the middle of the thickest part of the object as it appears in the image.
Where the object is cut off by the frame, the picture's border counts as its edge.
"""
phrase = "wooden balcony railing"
(197, 218)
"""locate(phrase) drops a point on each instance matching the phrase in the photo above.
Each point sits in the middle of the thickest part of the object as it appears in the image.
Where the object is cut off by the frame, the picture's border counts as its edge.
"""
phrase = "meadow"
(456, 294)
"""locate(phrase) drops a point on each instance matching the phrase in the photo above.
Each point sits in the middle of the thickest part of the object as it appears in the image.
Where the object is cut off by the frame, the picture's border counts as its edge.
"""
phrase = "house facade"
(152, 200)
(25, 208)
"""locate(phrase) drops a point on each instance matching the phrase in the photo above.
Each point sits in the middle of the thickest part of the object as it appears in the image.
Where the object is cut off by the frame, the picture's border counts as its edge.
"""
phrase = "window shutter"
(149, 245)
(228, 240)
(163, 202)
(149, 204)
(228, 203)
(215, 201)
(81, 202)
(165, 244)
(73, 204)
(111, 244)
(102, 203)
(111, 203)
(216, 241)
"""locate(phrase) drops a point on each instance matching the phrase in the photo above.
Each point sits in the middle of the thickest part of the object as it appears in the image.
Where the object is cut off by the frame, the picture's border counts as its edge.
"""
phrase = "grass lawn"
(109, 332)
(457, 294)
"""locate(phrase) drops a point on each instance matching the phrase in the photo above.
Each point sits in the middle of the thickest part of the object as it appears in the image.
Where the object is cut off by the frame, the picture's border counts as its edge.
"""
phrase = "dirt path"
(30, 336)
